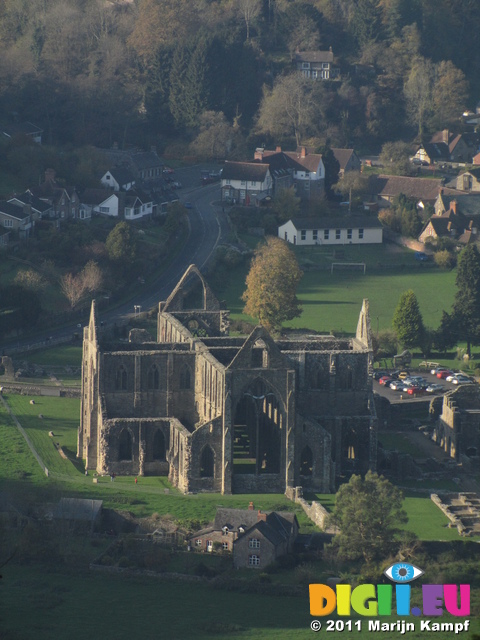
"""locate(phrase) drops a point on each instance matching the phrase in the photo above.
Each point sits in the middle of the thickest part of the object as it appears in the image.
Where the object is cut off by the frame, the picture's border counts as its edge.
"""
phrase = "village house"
(317, 65)
(467, 181)
(347, 159)
(444, 146)
(305, 169)
(334, 231)
(255, 538)
(383, 189)
(118, 179)
(64, 200)
(449, 224)
(26, 128)
(19, 219)
(246, 183)
(130, 205)
(41, 209)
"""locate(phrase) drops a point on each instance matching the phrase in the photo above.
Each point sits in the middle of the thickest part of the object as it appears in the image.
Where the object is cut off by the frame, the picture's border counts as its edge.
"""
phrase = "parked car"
(441, 375)
(379, 374)
(397, 385)
(403, 374)
(452, 376)
(415, 391)
(437, 370)
(461, 379)
(435, 388)
(384, 379)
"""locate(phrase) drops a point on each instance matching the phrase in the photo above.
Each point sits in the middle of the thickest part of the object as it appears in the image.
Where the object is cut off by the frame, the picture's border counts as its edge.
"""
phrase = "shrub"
(445, 259)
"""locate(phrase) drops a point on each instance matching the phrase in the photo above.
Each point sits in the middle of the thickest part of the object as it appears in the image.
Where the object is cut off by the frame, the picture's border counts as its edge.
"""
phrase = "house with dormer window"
(246, 183)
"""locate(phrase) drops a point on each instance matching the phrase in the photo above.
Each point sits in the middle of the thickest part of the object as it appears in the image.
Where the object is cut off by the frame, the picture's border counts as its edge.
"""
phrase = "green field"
(39, 603)
(333, 302)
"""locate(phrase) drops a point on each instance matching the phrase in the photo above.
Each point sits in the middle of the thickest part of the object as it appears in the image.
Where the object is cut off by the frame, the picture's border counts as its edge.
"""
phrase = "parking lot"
(400, 395)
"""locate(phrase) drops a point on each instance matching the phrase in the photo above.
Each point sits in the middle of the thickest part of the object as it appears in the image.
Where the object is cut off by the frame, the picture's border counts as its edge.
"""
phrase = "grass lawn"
(61, 356)
(61, 604)
(333, 302)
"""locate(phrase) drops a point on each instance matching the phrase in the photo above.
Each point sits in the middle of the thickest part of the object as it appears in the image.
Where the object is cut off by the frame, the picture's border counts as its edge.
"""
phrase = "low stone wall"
(315, 511)
(446, 510)
(40, 390)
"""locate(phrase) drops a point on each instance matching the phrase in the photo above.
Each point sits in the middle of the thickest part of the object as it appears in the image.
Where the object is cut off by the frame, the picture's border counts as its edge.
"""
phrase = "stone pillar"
(227, 435)
(290, 431)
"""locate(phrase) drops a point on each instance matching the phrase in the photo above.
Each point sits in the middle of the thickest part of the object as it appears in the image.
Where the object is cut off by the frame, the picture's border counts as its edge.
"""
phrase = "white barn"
(332, 231)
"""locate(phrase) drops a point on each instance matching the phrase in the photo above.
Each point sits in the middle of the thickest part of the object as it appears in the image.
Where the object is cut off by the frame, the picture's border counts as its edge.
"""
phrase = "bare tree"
(92, 277)
(29, 279)
(73, 288)
(249, 10)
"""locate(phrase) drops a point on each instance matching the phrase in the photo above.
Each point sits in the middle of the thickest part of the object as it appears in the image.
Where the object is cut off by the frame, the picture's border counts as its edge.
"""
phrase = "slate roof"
(278, 527)
(314, 56)
(21, 128)
(292, 160)
(14, 211)
(344, 222)
(343, 156)
(251, 171)
(425, 189)
(95, 196)
(235, 518)
(437, 150)
(28, 198)
(467, 203)
(122, 175)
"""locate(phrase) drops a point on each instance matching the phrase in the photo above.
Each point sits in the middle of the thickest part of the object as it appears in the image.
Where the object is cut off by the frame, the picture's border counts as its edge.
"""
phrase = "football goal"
(348, 266)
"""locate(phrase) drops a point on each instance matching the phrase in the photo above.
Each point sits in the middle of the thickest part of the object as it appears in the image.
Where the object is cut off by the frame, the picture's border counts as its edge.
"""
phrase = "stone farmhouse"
(347, 230)
(256, 539)
(449, 224)
(226, 414)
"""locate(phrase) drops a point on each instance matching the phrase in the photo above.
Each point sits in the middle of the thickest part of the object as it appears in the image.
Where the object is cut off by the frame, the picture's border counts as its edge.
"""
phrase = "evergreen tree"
(466, 306)
(332, 169)
(195, 89)
(407, 320)
(121, 244)
(365, 24)
(157, 90)
(178, 72)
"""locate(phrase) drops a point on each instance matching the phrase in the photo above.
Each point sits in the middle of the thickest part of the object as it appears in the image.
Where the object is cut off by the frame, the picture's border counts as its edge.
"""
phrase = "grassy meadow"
(332, 302)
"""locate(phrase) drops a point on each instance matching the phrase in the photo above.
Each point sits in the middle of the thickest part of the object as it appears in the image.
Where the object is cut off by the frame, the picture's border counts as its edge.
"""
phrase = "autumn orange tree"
(272, 285)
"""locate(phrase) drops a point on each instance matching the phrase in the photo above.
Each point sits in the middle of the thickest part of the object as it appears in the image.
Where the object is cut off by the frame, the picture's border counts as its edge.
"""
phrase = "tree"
(92, 276)
(30, 280)
(367, 512)
(332, 169)
(215, 138)
(289, 108)
(73, 288)
(407, 320)
(449, 94)
(365, 23)
(286, 204)
(248, 10)
(352, 185)
(394, 158)
(466, 306)
(272, 284)
(418, 93)
(121, 244)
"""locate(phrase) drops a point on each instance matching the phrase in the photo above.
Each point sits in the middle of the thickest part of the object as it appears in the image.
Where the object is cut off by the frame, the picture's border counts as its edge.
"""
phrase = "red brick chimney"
(258, 153)
(261, 516)
(453, 206)
(445, 135)
(278, 149)
(303, 152)
(250, 506)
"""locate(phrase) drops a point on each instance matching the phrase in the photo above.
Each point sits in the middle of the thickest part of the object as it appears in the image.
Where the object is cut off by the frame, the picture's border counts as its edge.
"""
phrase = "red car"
(441, 375)
(415, 391)
(384, 379)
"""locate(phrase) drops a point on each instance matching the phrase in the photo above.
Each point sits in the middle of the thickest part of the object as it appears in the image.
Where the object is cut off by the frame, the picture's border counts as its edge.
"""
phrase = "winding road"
(207, 224)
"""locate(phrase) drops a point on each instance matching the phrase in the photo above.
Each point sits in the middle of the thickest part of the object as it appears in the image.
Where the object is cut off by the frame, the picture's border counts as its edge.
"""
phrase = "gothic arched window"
(185, 378)
(153, 378)
(121, 379)
(158, 448)
(125, 445)
(207, 463)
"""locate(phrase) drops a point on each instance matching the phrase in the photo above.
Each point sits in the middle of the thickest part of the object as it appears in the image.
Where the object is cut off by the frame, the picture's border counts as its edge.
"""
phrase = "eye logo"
(403, 572)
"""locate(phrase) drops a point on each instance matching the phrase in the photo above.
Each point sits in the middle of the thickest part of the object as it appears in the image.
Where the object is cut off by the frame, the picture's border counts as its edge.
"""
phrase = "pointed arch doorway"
(258, 431)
